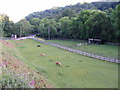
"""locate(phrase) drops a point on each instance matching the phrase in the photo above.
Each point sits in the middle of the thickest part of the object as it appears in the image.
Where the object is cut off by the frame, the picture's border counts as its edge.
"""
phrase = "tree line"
(90, 23)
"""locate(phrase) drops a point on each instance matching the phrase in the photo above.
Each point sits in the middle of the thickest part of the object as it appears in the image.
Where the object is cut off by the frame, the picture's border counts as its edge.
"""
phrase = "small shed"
(90, 40)
(95, 41)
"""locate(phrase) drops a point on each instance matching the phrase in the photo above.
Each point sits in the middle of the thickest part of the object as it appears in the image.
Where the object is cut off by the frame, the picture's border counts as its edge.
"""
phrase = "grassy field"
(104, 49)
(77, 71)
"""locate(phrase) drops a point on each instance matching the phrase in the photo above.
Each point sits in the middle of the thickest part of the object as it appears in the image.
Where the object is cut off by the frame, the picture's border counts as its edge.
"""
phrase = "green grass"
(77, 71)
(65, 42)
(104, 49)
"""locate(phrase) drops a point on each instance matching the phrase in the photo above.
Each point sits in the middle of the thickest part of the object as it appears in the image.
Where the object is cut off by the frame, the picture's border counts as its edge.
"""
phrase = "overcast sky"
(18, 9)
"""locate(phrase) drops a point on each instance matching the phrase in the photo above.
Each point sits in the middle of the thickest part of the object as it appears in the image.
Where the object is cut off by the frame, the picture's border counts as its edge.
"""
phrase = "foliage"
(64, 27)
(68, 12)
(115, 17)
(47, 28)
(85, 24)
(98, 26)
(71, 10)
(80, 21)
(6, 26)
(1, 30)
(23, 28)
(10, 80)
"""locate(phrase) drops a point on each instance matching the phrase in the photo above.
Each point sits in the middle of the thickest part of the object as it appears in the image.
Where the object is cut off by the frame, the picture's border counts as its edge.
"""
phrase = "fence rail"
(5, 38)
(81, 52)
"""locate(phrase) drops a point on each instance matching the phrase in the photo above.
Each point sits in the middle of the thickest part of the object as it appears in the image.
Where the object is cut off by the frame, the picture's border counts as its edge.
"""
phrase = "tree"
(92, 24)
(52, 28)
(115, 17)
(16, 29)
(82, 17)
(74, 28)
(64, 27)
(1, 30)
(23, 28)
(47, 28)
(1, 26)
(6, 26)
(98, 26)
(68, 12)
(35, 22)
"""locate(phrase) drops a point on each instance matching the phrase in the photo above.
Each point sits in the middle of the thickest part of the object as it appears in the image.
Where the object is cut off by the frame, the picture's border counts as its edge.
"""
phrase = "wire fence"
(83, 52)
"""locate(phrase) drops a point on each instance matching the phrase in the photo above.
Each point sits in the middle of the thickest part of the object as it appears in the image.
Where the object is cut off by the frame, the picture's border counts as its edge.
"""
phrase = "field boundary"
(80, 52)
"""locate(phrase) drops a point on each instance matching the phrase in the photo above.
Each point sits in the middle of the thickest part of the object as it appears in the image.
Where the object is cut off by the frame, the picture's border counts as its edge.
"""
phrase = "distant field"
(104, 50)
(77, 71)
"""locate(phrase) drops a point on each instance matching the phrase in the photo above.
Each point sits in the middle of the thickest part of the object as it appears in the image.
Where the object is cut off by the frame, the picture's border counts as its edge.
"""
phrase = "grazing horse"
(58, 63)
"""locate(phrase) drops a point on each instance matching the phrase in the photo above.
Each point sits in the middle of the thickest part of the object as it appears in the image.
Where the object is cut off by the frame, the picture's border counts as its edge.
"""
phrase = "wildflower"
(32, 82)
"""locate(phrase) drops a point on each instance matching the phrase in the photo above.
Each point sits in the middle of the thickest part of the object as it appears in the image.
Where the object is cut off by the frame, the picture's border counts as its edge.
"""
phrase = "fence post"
(93, 55)
(103, 57)
(90, 54)
(115, 60)
(98, 55)
(82, 52)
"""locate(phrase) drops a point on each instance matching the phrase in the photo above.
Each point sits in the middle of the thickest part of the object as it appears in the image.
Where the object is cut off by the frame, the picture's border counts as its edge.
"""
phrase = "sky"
(18, 9)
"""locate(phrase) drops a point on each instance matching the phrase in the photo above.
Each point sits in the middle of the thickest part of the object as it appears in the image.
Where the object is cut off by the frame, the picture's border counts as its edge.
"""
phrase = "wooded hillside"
(71, 10)
(99, 20)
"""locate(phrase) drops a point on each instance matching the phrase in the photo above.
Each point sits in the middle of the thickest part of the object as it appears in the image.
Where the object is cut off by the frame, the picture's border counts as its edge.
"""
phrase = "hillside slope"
(15, 73)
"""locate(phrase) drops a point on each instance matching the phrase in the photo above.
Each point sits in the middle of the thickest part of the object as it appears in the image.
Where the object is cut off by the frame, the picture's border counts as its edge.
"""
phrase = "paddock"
(76, 71)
